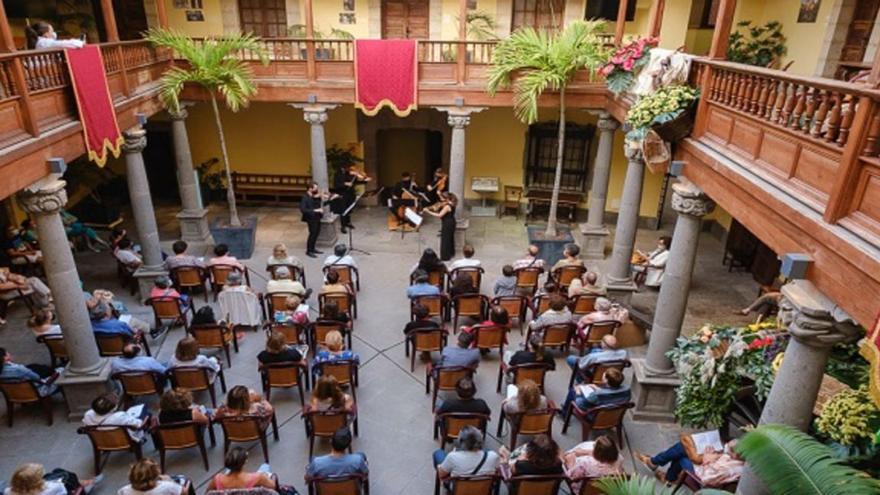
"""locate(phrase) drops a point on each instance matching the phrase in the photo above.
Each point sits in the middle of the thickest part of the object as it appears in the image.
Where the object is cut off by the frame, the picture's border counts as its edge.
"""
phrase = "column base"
(194, 226)
(621, 290)
(80, 389)
(146, 276)
(462, 224)
(327, 237)
(654, 395)
(594, 241)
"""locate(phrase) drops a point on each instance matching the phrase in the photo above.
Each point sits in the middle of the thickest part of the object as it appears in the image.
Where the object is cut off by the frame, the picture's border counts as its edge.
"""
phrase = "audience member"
(429, 262)
(105, 322)
(338, 462)
(612, 391)
(461, 285)
(333, 350)
(126, 255)
(469, 458)
(506, 284)
(116, 235)
(104, 413)
(235, 283)
(607, 352)
(13, 286)
(242, 401)
(145, 478)
(180, 258)
(281, 257)
(421, 286)
(114, 308)
(548, 289)
(557, 314)
(713, 468)
(19, 250)
(41, 323)
(498, 317)
(76, 229)
(570, 257)
(653, 264)
(131, 360)
(222, 257)
(539, 456)
(333, 286)
(295, 311)
(468, 261)
(41, 375)
(331, 313)
(763, 306)
(593, 459)
(328, 395)
(31, 479)
(176, 405)
(186, 354)
(283, 282)
(341, 257)
(240, 303)
(277, 351)
(528, 398)
(530, 260)
(603, 310)
(162, 288)
(587, 285)
(234, 477)
(28, 232)
(464, 401)
(423, 320)
(461, 354)
(533, 353)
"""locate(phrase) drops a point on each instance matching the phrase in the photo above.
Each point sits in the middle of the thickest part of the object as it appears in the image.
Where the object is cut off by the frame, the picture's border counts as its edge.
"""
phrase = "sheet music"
(711, 439)
(512, 391)
(413, 217)
(135, 411)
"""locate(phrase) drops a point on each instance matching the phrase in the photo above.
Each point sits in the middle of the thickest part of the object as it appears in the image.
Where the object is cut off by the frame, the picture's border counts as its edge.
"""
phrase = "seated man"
(125, 254)
(20, 251)
(338, 462)
(340, 256)
(422, 321)
(530, 260)
(606, 353)
(653, 264)
(104, 322)
(180, 258)
(468, 459)
(42, 375)
(284, 283)
(13, 286)
(461, 354)
(506, 284)
(464, 402)
(612, 391)
(571, 257)
(421, 286)
(557, 314)
(586, 286)
(222, 257)
(332, 286)
(104, 412)
(131, 360)
(713, 468)
(468, 261)
(603, 310)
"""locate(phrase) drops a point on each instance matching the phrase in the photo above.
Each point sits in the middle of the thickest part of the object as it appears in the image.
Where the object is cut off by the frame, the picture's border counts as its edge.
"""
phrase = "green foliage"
(757, 45)
(299, 31)
(850, 417)
(641, 485)
(481, 25)
(790, 462)
(337, 157)
(658, 107)
(847, 365)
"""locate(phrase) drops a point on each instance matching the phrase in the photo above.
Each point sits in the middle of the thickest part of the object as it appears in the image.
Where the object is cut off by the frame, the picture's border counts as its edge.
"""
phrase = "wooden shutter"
(539, 14)
(265, 18)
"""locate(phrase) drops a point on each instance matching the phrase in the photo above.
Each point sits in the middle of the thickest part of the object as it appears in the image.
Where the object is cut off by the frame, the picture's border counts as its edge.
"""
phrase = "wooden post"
(621, 22)
(162, 14)
(27, 107)
(656, 19)
(874, 76)
(723, 24)
(311, 73)
(110, 20)
(462, 39)
(841, 193)
(7, 44)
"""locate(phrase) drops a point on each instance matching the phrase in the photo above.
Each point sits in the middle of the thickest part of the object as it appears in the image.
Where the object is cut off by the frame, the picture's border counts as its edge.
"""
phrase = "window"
(539, 14)
(703, 14)
(607, 10)
(265, 18)
(541, 152)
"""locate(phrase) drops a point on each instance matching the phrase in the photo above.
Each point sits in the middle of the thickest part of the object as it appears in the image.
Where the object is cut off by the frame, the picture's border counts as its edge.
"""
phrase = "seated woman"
(603, 310)
(294, 312)
(186, 354)
(19, 250)
(280, 256)
(236, 478)
(653, 264)
(528, 398)
(162, 287)
(145, 478)
(593, 460)
(30, 479)
(463, 284)
(14, 286)
(713, 468)
(557, 314)
(539, 456)
(429, 262)
(533, 353)
(498, 316)
(332, 313)
(332, 285)
(41, 323)
(277, 351)
(328, 395)
(125, 254)
(104, 413)
(41, 375)
(176, 406)
(334, 351)
(241, 401)
(469, 457)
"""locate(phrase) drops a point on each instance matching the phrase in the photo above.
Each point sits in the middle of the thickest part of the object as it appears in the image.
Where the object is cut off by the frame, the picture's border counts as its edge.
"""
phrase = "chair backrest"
(55, 344)
(291, 331)
(19, 391)
(337, 485)
(513, 193)
(428, 340)
(321, 328)
(437, 277)
(452, 423)
(489, 336)
(474, 485)
(277, 301)
(474, 272)
(535, 484)
(558, 335)
(610, 415)
(182, 435)
(166, 308)
(515, 305)
(285, 374)
(527, 278)
(536, 422)
(565, 274)
(690, 480)
(448, 376)
(136, 383)
(470, 305)
(583, 304)
(109, 344)
(295, 272)
(108, 438)
(243, 428)
(188, 276)
(343, 301)
(346, 273)
(343, 370)
(219, 273)
(433, 303)
(535, 372)
(541, 303)
(211, 336)
(192, 378)
(599, 329)
(325, 423)
(599, 369)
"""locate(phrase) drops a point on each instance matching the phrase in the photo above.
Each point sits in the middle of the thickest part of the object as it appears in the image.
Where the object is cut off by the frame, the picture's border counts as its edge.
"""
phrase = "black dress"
(447, 235)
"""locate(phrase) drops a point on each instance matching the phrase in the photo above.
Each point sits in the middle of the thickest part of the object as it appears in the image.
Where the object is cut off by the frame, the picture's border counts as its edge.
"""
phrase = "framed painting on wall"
(809, 11)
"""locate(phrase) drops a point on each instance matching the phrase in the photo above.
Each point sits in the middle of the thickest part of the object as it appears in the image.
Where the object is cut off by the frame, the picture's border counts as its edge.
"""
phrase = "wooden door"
(405, 19)
(859, 32)
(264, 18)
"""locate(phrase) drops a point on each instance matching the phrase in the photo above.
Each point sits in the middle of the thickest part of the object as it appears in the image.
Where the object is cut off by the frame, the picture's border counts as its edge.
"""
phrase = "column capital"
(460, 117)
(813, 319)
(633, 152)
(314, 113)
(45, 197)
(135, 140)
(606, 122)
(181, 113)
(688, 199)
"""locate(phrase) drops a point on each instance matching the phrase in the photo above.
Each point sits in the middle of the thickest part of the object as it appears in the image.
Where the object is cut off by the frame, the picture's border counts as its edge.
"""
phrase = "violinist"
(439, 185)
(312, 207)
(445, 211)
(343, 184)
(405, 194)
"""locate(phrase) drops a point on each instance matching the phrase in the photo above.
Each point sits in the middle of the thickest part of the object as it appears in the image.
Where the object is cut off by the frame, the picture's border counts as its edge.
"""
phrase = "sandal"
(645, 460)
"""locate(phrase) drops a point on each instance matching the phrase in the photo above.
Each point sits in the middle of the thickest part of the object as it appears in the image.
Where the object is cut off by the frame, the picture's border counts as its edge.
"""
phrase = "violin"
(360, 176)
(441, 183)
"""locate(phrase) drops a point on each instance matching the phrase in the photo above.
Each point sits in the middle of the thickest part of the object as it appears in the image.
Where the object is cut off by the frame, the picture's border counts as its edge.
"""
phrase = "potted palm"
(212, 65)
(531, 62)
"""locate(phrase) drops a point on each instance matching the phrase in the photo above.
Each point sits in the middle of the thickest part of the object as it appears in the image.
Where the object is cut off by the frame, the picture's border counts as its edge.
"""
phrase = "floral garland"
(620, 69)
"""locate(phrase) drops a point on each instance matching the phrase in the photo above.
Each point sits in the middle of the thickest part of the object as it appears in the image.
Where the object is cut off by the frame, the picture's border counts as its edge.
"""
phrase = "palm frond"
(173, 81)
(634, 485)
(791, 462)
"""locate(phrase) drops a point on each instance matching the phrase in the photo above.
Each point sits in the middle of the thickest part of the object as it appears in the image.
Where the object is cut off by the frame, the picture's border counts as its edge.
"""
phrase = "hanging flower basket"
(679, 127)
(668, 111)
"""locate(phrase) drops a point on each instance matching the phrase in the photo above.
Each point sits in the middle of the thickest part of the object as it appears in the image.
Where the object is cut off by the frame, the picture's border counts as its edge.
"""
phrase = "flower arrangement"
(713, 365)
(659, 107)
(620, 69)
(850, 418)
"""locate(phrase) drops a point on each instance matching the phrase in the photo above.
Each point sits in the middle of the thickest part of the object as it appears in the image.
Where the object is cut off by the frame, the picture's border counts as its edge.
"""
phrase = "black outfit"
(456, 405)
(433, 193)
(175, 416)
(308, 205)
(340, 318)
(343, 185)
(287, 355)
(529, 468)
(418, 325)
(397, 199)
(527, 357)
(447, 235)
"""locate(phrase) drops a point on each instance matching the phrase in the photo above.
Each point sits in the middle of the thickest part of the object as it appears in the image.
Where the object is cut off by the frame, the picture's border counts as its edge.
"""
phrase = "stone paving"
(395, 416)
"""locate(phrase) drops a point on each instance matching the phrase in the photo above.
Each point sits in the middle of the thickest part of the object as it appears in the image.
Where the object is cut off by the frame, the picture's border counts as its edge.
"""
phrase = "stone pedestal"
(327, 238)
(194, 227)
(654, 395)
(80, 389)
(621, 291)
(595, 239)
(594, 231)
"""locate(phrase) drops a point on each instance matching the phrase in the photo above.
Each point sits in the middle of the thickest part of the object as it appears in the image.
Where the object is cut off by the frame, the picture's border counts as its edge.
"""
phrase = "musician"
(445, 211)
(406, 193)
(312, 207)
(343, 184)
(439, 185)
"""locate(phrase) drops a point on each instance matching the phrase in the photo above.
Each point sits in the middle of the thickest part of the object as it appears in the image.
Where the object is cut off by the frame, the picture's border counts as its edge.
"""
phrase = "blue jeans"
(677, 459)
(578, 399)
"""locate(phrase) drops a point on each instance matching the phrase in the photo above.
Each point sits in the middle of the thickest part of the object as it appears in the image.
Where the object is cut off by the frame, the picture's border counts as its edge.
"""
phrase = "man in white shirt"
(104, 413)
(530, 260)
(284, 283)
(654, 263)
(126, 255)
(468, 261)
(607, 353)
(340, 256)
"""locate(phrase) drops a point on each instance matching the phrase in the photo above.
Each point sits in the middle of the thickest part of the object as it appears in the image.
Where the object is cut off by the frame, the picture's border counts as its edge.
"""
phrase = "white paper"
(135, 411)
(512, 391)
(413, 217)
(125, 319)
(711, 439)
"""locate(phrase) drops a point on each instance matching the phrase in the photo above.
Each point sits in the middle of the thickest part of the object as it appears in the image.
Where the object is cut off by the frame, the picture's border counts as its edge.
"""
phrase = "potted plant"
(212, 65)
(668, 111)
(533, 61)
(321, 53)
(338, 157)
(211, 183)
(621, 68)
(763, 45)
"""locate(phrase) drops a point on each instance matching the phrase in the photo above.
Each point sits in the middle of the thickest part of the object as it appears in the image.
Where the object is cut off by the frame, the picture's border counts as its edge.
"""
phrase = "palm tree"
(212, 65)
(532, 61)
(641, 485)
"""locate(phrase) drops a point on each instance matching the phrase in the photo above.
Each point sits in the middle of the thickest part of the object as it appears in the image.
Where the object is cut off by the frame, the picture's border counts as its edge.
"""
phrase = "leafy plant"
(850, 417)
(658, 107)
(621, 68)
(790, 462)
(212, 65)
(641, 485)
(299, 31)
(533, 61)
(847, 365)
(481, 25)
(757, 45)
(338, 157)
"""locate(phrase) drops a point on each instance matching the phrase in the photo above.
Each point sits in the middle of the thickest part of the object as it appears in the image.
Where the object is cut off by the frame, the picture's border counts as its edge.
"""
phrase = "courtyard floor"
(394, 411)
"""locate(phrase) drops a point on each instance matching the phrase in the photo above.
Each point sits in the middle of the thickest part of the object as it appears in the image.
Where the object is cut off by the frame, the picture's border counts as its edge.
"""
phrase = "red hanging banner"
(385, 76)
(96, 111)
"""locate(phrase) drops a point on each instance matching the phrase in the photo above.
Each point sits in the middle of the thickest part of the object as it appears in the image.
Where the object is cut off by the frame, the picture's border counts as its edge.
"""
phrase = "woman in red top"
(237, 478)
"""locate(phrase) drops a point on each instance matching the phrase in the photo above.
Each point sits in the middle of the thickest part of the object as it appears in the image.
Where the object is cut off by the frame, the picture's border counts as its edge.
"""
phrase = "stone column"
(816, 324)
(142, 209)
(459, 118)
(88, 373)
(594, 231)
(193, 216)
(316, 114)
(620, 284)
(655, 380)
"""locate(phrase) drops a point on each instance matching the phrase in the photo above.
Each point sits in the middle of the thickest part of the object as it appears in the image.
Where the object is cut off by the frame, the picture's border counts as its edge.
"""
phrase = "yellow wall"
(673, 30)
(698, 41)
(326, 15)
(651, 186)
(639, 25)
(721, 216)
(212, 26)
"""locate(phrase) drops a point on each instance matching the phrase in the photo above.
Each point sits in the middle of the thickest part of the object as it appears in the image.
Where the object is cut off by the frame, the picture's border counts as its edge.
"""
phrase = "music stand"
(351, 247)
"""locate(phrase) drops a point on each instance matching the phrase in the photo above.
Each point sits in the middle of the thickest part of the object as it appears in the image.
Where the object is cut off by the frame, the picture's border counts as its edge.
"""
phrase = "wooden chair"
(528, 423)
(139, 384)
(490, 337)
(474, 272)
(512, 198)
(323, 424)
(582, 304)
(695, 485)
(594, 332)
(448, 425)
(444, 378)
(472, 305)
(319, 329)
(586, 486)
(535, 484)
(214, 336)
(346, 303)
(182, 435)
(275, 301)
(170, 309)
(347, 275)
(596, 371)
(516, 307)
(435, 277)
(293, 334)
(605, 417)
(24, 392)
(484, 484)
(350, 484)
(559, 336)
(57, 350)
(108, 439)
(344, 370)
(424, 340)
(285, 375)
(518, 373)
(245, 429)
(565, 274)
(527, 279)
(187, 279)
(111, 344)
(540, 304)
(296, 273)
(438, 306)
(219, 273)
(196, 379)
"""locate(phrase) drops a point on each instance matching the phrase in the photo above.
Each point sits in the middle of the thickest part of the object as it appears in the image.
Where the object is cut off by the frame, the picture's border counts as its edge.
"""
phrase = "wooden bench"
(269, 188)
(541, 198)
